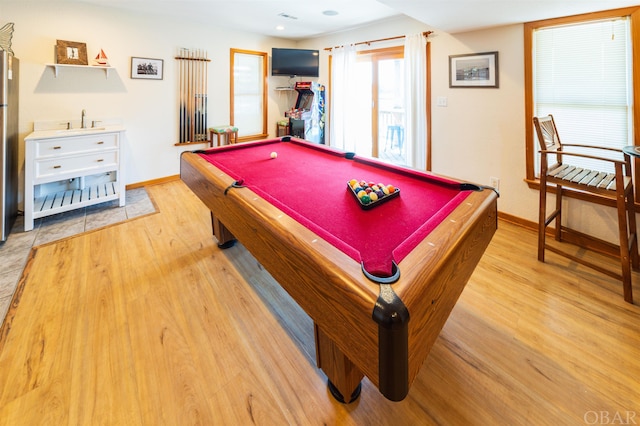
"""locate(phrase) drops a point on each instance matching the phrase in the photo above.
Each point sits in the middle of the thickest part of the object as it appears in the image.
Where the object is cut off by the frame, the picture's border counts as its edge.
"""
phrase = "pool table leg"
(225, 238)
(344, 377)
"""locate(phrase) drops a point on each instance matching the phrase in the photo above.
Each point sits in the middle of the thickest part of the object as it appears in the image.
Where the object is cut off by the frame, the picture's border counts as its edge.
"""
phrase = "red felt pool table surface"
(309, 183)
(297, 217)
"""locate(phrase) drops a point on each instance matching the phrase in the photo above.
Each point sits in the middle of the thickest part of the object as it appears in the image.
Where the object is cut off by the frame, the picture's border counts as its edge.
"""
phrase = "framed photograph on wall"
(474, 70)
(71, 53)
(147, 68)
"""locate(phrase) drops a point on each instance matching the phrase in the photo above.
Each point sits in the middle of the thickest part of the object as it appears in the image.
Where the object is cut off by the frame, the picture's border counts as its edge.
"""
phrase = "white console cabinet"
(67, 169)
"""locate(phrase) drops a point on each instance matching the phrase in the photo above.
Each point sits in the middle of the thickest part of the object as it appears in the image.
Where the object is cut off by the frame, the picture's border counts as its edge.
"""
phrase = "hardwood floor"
(148, 322)
(15, 251)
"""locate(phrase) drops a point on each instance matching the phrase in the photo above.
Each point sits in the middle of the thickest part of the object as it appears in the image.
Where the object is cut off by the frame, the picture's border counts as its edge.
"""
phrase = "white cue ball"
(274, 155)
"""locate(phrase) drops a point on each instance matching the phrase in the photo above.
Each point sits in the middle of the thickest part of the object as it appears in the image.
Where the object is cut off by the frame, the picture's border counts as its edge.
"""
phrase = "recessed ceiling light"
(330, 13)
(280, 27)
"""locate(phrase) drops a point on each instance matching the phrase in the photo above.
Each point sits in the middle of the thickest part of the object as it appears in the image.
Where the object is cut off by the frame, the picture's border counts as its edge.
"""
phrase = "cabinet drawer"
(75, 145)
(80, 165)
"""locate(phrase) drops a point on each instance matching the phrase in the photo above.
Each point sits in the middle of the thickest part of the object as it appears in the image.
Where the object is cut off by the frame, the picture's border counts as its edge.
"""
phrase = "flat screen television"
(295, 62)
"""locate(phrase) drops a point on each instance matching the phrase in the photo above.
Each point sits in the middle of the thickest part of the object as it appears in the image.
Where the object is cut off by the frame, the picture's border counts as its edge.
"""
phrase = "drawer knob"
(57, 147)
(100, 143)
(57, 167)
(99, 160)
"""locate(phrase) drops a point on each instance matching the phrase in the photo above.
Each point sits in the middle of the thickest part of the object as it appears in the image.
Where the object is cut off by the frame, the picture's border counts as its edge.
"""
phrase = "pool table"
(379, 279)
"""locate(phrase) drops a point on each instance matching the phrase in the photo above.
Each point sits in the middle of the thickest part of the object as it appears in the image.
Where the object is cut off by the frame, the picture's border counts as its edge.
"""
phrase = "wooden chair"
(616, 186)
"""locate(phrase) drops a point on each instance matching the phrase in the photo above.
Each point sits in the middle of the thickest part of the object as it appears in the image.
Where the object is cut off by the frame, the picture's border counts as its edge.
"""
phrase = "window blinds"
(583, 77)
(248, 92)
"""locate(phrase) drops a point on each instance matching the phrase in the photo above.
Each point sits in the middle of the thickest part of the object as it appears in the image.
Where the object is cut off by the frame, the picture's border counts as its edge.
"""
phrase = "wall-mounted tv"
(295, 62)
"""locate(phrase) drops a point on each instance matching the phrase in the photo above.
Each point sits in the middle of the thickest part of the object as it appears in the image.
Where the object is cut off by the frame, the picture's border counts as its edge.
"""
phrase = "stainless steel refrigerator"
(9, 67)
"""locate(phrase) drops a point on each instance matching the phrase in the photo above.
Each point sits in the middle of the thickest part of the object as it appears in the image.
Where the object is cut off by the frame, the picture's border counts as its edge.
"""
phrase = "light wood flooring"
(148, 323)
(15, 251)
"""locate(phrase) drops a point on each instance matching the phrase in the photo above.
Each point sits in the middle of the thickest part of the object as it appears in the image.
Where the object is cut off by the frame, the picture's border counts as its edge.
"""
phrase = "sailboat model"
(102, 59)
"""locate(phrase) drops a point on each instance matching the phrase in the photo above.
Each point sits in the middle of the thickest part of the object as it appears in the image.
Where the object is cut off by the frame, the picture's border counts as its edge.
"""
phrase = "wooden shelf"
(190, 143)
(63, 201)
(56, 68)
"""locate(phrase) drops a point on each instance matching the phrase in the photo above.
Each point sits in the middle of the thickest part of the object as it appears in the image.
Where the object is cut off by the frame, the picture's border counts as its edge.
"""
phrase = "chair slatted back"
(548, 138)
(548, 135)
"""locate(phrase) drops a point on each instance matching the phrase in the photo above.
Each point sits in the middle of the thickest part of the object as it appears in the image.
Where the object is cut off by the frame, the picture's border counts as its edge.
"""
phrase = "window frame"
(264, 72)
(530, 151)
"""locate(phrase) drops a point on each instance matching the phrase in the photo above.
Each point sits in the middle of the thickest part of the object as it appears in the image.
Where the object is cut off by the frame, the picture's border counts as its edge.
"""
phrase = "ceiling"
(305, 18)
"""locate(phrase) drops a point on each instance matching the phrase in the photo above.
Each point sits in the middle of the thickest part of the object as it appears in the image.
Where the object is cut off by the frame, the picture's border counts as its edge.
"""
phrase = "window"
(583, 77)
(249, 94)
(580, 69)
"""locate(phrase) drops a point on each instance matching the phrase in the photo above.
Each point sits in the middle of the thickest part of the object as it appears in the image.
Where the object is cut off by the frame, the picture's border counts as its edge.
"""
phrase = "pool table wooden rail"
(330, 286)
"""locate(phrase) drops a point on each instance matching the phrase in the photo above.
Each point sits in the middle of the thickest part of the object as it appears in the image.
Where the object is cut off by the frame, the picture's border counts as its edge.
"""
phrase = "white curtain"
(415, 79)
(343, 70)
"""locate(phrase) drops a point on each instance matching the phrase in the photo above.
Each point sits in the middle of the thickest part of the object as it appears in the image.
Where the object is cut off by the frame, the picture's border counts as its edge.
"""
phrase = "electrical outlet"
(494, 182)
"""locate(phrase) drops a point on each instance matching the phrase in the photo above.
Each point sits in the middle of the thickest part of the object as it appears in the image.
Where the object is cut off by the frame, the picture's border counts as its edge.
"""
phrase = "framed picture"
(71, 53)
(474, 70)
(146, 68)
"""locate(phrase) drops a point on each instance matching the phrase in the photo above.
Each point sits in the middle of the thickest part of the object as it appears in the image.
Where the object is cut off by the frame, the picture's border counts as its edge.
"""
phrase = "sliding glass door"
(390, 112)
(380, 104)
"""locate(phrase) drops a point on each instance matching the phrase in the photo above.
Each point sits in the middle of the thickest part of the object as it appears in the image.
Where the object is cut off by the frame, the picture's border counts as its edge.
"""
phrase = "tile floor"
(14, 251)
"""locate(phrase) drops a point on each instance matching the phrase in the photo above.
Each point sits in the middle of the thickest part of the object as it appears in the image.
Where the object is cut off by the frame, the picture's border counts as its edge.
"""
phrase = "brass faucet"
(84, 115)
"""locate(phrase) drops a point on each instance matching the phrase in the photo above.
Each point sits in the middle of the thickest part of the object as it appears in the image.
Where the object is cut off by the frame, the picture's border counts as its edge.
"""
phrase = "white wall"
(478, 135)
(148, 107)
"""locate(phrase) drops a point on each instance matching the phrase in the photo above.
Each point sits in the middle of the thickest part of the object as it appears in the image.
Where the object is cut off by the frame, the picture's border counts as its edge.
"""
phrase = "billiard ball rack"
(367, 203)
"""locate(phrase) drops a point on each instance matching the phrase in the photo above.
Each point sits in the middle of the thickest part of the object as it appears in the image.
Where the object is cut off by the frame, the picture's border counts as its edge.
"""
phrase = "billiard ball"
(274, 154)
